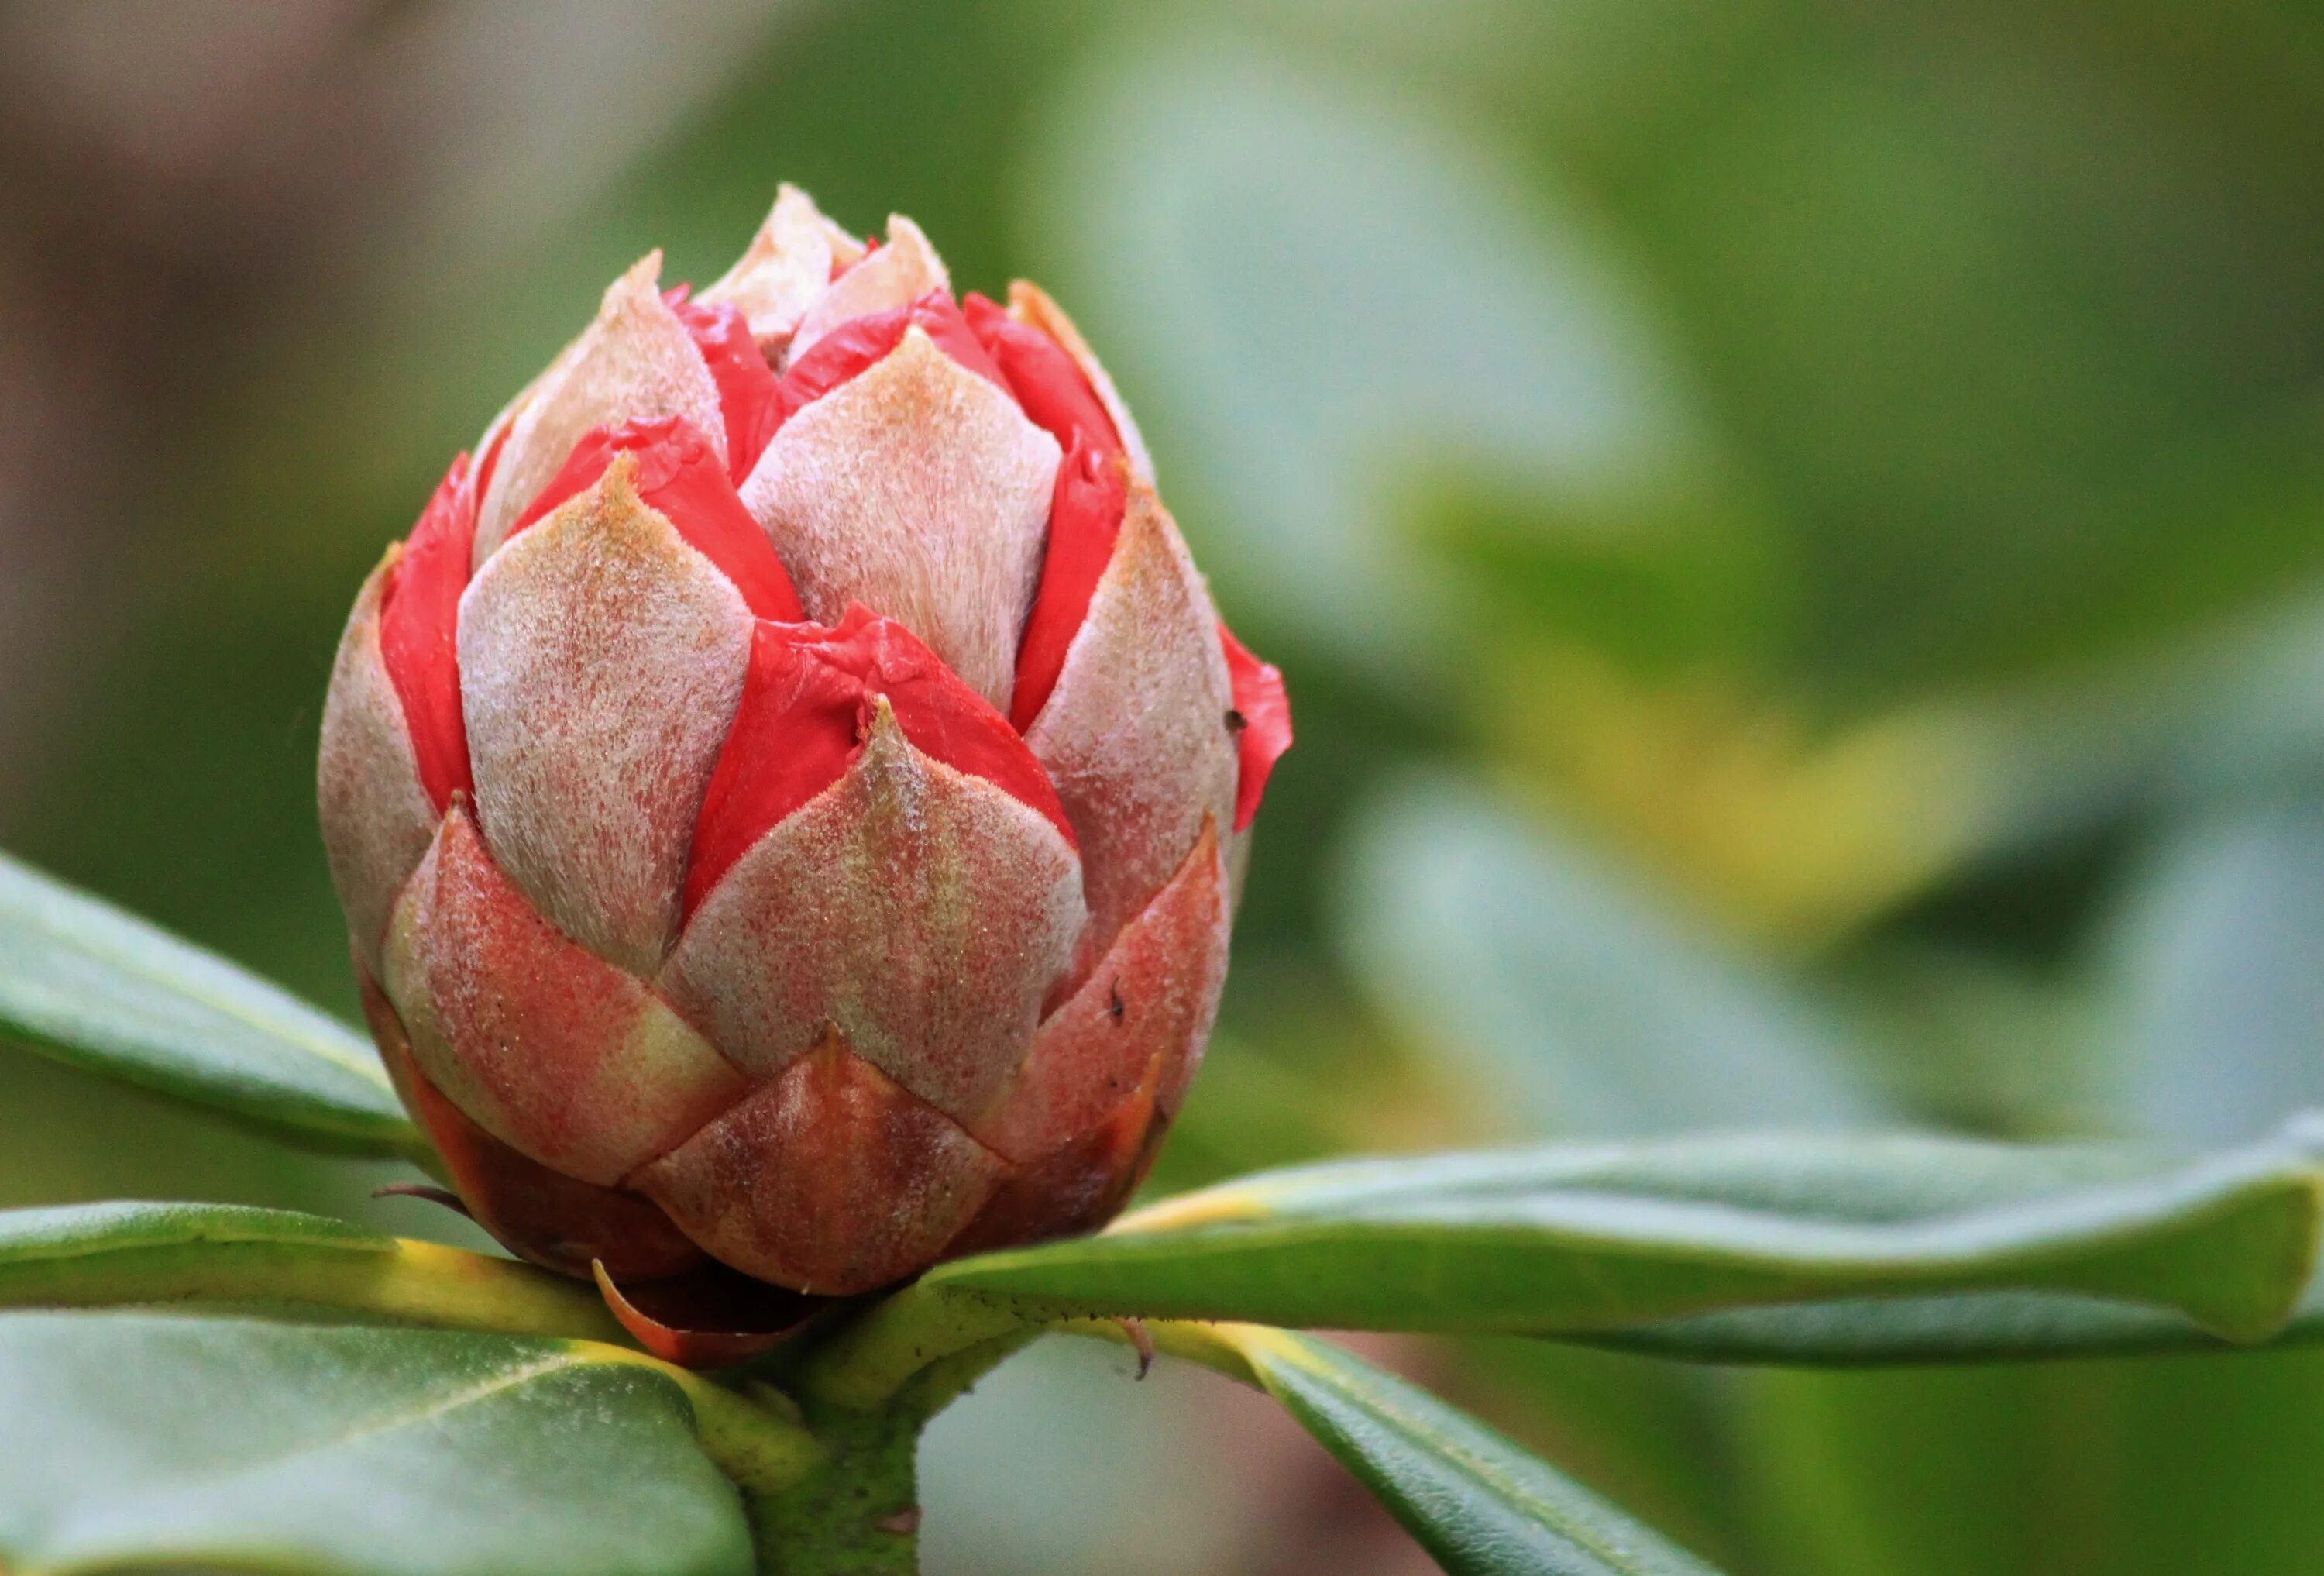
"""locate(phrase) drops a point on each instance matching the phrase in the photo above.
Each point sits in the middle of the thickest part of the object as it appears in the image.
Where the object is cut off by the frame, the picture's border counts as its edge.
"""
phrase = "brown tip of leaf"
(1141, 1341)
(427, 1190)
(710, 1317)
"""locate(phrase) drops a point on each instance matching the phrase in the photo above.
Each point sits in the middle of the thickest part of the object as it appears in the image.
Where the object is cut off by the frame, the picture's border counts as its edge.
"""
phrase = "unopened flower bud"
(783, 792)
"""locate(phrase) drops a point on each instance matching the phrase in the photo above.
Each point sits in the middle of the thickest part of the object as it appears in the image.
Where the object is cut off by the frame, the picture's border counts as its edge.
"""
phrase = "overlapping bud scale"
(783, 794)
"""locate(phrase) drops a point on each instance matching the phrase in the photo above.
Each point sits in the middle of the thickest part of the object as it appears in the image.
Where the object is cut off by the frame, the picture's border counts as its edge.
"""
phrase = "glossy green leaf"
(141, 1440)
(281, 1260)
(38, 1244)
(1974, 1327)
(1570, 1239)
(112, 994)
(1477, 1502)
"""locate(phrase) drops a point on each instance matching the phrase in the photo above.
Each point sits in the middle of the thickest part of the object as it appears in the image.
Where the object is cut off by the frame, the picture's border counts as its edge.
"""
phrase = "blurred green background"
(1796, 532)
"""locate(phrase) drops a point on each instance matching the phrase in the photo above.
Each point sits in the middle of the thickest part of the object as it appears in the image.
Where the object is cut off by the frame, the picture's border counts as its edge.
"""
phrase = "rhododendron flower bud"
(784, 789)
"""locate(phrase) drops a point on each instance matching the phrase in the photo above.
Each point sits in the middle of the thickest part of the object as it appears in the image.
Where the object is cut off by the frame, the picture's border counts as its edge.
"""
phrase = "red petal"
(679, 477)
(1045, 379)
(748, 393)
(1085, 516)
(419, 623)
(806, 700)
(1265, 733)
(856, 343)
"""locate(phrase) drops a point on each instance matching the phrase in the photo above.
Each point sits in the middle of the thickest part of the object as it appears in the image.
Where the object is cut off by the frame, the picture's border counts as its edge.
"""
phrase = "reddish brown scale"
(559, 1054)
(832, 1179)
(1077, 1188)
(806, 700)
(491, 461)
(419, 621)
(1149, 1001)
(554, 1221)
(678, 476)
(709, 1317)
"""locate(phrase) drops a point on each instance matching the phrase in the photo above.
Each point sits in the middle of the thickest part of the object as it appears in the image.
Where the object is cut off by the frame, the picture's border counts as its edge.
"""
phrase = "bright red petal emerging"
(747, 388)
(1265, 730)
(679, 477)
(856, 343)
(1046, 381)
(418, 625)
(807, 701)
(1086, 515)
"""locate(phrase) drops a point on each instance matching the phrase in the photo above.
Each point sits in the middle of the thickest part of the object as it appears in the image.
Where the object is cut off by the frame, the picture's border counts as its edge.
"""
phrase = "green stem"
(865, 1366)
(867, 1395)
(860, 1515)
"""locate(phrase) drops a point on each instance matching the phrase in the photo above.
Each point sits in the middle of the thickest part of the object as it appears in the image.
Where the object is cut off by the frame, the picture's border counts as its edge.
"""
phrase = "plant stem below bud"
(859, 1514)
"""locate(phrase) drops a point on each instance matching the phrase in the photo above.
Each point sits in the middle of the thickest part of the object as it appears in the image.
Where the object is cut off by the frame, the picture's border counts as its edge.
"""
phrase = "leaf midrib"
(442, 1405)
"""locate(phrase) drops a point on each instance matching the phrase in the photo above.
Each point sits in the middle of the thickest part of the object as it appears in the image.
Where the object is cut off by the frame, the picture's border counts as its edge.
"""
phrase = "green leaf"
(112, 994)
(1972, 1327)
(1574, 1238)
(1886, 1332)
(143, 1440)
(1578, 997)
(277, 1260)
(1478, 1503)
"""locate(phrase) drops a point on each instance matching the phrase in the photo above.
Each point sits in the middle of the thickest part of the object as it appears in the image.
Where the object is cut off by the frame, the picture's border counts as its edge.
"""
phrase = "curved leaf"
(1477, 1502)
(141, 1440)
(109, 993)
(1574, 1238)
(1986, 1327)
(110, 1254)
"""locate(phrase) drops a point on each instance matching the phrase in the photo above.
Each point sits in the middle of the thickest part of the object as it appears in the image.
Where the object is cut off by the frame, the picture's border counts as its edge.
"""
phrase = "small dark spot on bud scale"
(1236, 720)
(1113, 1007)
